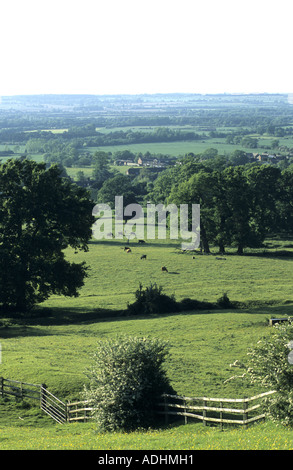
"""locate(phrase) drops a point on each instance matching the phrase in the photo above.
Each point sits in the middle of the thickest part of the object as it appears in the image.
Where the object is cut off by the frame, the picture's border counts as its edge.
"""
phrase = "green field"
(54, 346)
(177, 149)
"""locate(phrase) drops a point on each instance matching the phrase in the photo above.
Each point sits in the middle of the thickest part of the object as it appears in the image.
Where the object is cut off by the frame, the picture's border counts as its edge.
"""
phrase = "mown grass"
(265, 436)
(54, 344)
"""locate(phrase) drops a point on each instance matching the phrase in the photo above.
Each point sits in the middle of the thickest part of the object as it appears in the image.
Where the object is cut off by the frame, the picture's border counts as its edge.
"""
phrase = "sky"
(145, 46)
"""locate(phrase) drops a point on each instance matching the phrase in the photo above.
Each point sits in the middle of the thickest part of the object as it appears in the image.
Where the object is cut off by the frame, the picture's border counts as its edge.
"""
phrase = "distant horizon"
(148, 93)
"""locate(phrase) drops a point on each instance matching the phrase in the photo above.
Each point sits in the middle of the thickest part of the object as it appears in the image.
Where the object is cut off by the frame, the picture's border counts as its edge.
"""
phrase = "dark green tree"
(102, 170)
(265, 187)
(238, 157)
(119, 185)
(41, 214)
(199, 189)
(285, 203)
(237, 204)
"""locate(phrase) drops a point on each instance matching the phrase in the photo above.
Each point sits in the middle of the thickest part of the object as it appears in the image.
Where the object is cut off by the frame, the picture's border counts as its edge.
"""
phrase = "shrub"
(127, 380)
(152, 300)
(224, 301)
(269, 366)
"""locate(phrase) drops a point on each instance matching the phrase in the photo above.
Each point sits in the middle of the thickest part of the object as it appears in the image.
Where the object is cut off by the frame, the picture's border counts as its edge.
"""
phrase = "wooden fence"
(78, 411)
(19, 389)
(215, 410)
(58, 410)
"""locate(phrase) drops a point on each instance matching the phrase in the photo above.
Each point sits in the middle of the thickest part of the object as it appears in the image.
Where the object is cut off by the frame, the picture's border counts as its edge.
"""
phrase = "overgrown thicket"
(151, 300)
(126, 381)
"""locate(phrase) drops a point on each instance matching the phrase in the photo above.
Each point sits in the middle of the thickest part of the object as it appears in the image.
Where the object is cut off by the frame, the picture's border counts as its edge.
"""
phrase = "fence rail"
(19, 389)
(79, 411)
(204, 409)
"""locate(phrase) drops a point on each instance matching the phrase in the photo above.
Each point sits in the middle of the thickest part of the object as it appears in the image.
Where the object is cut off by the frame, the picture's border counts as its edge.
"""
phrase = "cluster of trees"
(239, 205)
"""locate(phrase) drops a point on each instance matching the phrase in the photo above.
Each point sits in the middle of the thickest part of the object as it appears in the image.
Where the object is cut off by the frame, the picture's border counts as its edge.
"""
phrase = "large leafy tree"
(119, 185)
(41, 214)
(102, 170)
(265, 183)
(285, 203)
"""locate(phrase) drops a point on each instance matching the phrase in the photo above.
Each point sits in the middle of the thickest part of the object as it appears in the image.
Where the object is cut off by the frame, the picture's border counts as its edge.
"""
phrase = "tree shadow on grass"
(134, 243)
(32, 323)
(281, 254)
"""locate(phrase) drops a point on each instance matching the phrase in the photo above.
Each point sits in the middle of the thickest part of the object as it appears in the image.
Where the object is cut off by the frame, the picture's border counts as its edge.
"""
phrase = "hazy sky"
(145, 46)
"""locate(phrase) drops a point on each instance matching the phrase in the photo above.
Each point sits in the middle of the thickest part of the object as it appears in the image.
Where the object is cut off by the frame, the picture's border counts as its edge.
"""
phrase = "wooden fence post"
(245, 415)
(43, 396)
(166, 410)
(204, 413)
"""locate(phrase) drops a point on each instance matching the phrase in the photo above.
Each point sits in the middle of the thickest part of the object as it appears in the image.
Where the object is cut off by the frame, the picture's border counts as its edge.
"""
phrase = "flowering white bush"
(269, 367)
(127, 380)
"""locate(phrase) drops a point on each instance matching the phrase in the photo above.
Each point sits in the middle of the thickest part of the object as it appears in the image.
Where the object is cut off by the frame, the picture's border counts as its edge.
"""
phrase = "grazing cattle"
(164, 269)
(143, 256)
(141, 241)
(128, 250)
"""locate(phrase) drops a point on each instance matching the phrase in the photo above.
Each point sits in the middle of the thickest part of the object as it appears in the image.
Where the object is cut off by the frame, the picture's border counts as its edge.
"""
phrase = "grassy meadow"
(54, 345)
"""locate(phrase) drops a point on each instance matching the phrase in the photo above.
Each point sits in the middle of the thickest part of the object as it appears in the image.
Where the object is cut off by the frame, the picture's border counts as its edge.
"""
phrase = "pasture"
(262, 275)
(54, 345)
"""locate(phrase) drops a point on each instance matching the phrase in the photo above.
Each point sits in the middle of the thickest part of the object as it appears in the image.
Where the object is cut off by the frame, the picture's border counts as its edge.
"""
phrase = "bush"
(224, 301)
(152, 300)
(269, 367)
(127, 380)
